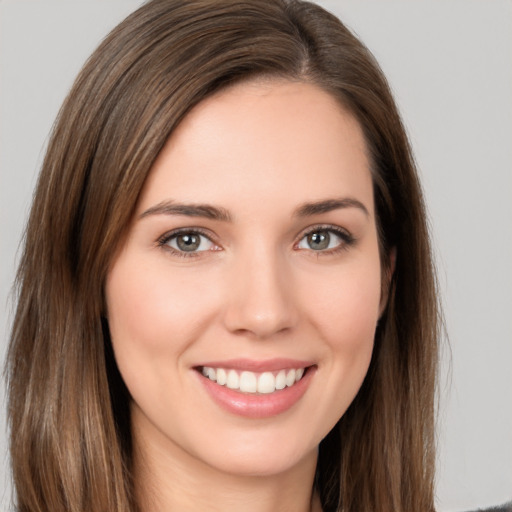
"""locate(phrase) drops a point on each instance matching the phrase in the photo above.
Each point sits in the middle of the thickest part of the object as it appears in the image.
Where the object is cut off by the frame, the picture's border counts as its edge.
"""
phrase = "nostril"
(245, 321)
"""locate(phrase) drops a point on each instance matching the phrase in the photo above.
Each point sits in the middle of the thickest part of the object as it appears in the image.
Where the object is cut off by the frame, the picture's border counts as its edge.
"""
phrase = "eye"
(187, 242)
(325, 239)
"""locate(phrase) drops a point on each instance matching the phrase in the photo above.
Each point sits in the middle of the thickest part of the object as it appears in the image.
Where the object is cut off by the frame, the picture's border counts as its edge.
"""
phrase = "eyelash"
(167, 237)
(347, 240)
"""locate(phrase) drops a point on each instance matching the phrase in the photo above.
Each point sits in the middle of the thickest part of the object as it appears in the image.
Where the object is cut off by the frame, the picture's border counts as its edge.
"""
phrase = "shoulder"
(507, 507)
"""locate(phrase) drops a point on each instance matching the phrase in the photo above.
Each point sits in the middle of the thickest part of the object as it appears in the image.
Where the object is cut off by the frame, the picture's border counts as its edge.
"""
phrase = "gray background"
(449, 64)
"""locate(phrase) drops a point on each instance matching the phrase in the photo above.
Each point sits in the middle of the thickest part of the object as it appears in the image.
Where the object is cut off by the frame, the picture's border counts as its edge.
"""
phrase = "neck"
(175, 480)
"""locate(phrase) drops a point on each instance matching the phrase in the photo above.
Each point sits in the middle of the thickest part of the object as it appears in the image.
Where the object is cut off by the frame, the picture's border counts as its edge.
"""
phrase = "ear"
(387, 276)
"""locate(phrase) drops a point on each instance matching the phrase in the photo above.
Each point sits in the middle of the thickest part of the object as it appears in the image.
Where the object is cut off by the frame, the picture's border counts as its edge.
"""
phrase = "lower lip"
(257, 405)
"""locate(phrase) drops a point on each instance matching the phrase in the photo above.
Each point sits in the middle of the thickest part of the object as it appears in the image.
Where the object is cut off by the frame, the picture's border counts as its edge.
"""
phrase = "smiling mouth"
(254, 382)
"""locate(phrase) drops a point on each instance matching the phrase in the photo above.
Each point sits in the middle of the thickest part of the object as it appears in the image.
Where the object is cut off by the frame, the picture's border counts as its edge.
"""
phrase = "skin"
(255, 289)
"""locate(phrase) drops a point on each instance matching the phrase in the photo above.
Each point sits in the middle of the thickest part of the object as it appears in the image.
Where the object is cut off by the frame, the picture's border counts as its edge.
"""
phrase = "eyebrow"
(221, 214)
(190, 210)
(328, 205)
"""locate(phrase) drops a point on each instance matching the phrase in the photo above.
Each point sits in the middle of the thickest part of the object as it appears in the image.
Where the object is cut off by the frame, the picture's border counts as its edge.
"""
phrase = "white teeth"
(233, 382)
(281, 380)
(290, 377)
(266, 383)
(251, 382)
(248, 382)
(222, 376)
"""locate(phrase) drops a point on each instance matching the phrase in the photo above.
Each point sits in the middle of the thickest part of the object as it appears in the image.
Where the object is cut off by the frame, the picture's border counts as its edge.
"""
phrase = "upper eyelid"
(324, 227)
(174, 232)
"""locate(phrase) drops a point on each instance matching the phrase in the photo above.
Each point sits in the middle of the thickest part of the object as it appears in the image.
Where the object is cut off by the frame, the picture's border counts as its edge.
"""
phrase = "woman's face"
(243, 303)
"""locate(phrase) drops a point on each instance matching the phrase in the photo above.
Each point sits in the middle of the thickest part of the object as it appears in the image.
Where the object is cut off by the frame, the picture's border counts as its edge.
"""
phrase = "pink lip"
(268, 365)
(257, 405)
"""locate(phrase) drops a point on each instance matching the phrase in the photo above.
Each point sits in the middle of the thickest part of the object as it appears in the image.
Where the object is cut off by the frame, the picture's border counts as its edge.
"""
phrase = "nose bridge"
(259, 300)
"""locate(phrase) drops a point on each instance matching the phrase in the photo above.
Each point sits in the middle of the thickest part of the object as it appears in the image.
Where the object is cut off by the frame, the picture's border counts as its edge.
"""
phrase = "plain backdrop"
(449, 64)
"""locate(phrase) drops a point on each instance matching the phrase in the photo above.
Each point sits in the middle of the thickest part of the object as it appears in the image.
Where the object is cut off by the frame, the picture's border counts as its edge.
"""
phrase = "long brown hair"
(68, 407)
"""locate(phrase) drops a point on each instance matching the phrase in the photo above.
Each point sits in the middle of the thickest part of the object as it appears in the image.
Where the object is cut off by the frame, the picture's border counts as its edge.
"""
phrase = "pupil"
(188, 242)
(319, 240)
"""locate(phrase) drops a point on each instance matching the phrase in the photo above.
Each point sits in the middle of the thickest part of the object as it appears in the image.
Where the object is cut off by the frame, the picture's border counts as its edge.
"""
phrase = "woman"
(227, 256)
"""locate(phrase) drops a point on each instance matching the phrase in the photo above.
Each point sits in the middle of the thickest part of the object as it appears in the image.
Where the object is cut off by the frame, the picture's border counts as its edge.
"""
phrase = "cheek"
(153, 316)
(345, 311)
(346, 306)
(350, 334)
(151, 307)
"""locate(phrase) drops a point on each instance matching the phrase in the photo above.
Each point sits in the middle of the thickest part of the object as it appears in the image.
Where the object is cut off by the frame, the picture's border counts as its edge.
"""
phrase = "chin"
(259, 452)
(269, 464)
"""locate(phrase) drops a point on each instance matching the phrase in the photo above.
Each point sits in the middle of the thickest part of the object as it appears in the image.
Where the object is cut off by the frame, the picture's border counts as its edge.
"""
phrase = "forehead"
(263, 141)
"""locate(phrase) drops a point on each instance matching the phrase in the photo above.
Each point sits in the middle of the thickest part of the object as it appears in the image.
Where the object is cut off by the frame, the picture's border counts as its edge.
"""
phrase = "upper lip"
(258, 365)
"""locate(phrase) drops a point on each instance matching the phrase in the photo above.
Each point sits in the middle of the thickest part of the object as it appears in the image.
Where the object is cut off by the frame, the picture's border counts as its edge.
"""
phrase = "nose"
(261, 299)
